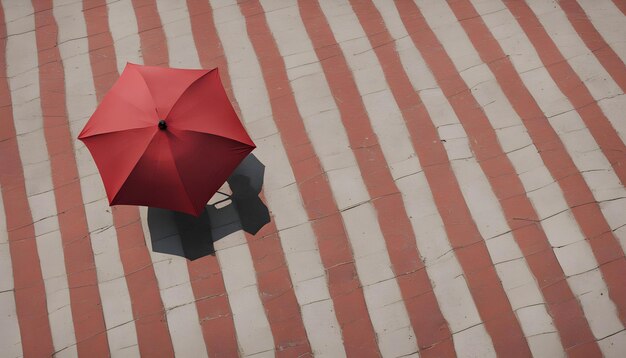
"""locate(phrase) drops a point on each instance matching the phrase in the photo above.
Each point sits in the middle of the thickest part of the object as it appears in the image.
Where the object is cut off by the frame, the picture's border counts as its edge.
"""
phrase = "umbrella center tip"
(162, 124)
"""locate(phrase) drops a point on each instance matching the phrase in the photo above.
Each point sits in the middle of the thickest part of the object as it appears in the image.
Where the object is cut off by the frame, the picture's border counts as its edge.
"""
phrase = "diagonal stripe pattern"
(443, 179)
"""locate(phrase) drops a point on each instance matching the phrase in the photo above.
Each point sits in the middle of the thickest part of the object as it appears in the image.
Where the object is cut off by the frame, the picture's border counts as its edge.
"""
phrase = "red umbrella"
(166, 138)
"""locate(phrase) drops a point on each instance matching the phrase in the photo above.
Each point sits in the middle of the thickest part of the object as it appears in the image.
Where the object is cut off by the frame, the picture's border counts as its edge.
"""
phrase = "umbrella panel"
(116, 153)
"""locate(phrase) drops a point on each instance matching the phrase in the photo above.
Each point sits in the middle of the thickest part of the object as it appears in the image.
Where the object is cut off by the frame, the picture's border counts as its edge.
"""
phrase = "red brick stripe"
(207, 282)
(150, 319)
(579, 197)
(29, 290)
(215, 315)
(151, 35)
(494, 308)
(594, 41)
(563, 306)
(274, 282)
(335, 251)
(431, 329)
(208, 45)
(277, 294)
(86, 306)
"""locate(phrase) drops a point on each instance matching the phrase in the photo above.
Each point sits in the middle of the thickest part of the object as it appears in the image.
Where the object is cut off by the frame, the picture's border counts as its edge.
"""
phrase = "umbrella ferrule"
(162, 124)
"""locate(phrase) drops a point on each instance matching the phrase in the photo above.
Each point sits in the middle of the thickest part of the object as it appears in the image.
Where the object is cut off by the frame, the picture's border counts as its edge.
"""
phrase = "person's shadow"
(176, 233)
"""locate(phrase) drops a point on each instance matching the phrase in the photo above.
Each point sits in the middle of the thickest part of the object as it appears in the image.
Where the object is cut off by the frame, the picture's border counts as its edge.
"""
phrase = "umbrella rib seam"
(132, 169)
(112, 132)
(182, 183)
(149, 91)
(217, 135)
(133, 105)
(185, 91)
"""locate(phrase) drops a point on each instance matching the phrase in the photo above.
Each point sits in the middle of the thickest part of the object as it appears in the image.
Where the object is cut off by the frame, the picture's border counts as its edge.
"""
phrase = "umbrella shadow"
(176, 233)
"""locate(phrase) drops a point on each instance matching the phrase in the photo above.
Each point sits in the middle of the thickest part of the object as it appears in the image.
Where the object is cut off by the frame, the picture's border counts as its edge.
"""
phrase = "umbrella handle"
(228, 195)
(221, 201)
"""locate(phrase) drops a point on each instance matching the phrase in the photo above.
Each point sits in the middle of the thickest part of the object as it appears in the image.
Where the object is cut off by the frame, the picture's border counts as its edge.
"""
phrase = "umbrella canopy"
(166, 138)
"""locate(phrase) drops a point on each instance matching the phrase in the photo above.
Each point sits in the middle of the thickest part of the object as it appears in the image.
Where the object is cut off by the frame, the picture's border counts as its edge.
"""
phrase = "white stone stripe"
(123, 27)
(442, 266)
(609, 21)
(571, 249)
(177, 27)
(600, 84)
(23, 77)
(10, 339)
(283, 199)
(308, 277)
(323, 124)
(171, 271)
(80, 104)
(254, 334)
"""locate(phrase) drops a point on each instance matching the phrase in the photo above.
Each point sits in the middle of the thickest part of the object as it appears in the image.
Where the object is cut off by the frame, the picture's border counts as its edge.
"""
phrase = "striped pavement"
(443, 178)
